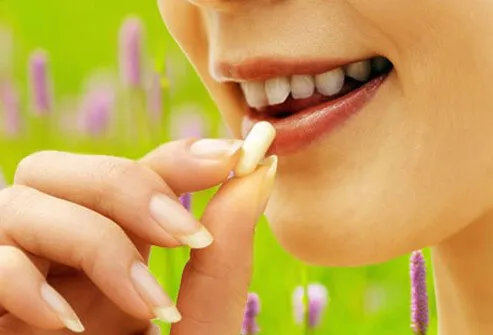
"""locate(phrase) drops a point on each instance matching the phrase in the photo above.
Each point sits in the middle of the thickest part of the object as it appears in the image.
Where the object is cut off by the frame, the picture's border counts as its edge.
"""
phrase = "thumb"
(216, 279)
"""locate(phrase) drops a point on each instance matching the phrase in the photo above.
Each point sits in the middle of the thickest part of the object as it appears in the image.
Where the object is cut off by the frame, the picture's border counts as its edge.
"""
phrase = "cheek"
(184, 22)
(187, 24)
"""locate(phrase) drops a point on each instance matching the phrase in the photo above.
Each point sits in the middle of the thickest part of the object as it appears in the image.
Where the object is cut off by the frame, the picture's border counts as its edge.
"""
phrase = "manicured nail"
(154, 330)
(153, 295)
(255, 146)
(270, 176)
(199, 240)
(170, 314)
(61, 307)
(215, 148)
(176, 220)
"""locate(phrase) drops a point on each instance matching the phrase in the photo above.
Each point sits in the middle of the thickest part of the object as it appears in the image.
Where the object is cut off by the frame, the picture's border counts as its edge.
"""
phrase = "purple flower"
(155, 97)
(131, 52)
(188, 122)
(419, 295)
(96, 111)
(318, 299)
(186, 201)
(9, 99)
(40, 83)
(252, 310)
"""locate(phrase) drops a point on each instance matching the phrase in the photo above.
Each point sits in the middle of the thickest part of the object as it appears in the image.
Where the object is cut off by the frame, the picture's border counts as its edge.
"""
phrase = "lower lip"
(301, 129)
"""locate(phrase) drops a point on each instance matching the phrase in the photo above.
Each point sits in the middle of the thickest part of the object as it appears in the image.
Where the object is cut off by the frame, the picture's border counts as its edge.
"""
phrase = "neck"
(463, 268)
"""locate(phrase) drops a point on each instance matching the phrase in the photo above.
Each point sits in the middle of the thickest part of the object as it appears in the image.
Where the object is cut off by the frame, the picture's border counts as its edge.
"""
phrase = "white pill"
(254, 148)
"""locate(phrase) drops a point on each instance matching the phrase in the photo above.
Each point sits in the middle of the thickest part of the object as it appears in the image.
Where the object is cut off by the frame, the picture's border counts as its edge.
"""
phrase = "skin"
(412, 170)
(79, 222)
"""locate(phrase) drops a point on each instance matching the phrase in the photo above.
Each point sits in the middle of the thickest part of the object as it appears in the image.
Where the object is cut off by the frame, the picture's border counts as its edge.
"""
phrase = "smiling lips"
(312, 101)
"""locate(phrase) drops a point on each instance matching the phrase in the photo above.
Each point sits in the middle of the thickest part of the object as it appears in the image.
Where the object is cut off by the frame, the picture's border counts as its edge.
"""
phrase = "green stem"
(169, 270)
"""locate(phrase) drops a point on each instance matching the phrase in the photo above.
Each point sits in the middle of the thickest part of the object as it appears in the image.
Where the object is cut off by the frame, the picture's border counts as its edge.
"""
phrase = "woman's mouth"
(305, 107)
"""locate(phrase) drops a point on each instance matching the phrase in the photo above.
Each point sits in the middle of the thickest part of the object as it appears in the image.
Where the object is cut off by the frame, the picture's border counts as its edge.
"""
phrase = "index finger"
(194, 165)
(216, 280)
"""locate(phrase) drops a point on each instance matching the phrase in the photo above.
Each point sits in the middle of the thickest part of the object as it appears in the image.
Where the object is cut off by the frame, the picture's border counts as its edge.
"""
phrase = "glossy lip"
(301, 129)
(260, 69)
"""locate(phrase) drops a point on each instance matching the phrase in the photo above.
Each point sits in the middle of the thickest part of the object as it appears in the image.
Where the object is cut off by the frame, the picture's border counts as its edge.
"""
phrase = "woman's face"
(400, 163)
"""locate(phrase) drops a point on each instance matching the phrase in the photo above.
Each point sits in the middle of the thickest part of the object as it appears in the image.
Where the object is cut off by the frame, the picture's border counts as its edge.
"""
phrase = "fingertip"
(245, 197)
(199, 240)
(168, 314)
(62, 308)
(153, 294)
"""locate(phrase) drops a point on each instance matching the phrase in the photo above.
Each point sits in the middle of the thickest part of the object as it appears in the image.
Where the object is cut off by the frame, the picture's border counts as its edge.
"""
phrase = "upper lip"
(260, 69)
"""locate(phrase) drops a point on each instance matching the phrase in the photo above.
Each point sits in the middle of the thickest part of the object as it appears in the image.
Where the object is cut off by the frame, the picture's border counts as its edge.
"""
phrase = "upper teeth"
(330, 83)
(302, 86)
(275, 91)
(359, 70)
(254, 93)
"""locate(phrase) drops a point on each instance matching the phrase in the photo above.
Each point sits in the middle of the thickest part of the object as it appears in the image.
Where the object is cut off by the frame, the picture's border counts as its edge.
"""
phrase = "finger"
(25, 294)
(42, 265)
(193, 165)
(215, 282)
(80, 238)
(129, 193)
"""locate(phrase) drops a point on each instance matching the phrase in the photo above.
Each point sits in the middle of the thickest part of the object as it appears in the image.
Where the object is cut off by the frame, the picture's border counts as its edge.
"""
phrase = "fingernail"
(270, 176)
(62, 308)
(199, 240)
(254, 148)
(176, 220)
(168, 313)
(215, 148)
(154, 330)
(149, 289)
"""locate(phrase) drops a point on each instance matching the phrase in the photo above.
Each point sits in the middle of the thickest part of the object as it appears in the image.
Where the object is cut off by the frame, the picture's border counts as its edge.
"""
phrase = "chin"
(327, 239)
(357, 222)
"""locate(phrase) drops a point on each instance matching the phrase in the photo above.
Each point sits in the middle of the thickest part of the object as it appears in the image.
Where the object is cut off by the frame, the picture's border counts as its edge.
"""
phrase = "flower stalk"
(252, 310)
(131, 53)
(41, 87)
(309, 304)
(10, 103)
(186, 201)
(419, 294)
(96, 111)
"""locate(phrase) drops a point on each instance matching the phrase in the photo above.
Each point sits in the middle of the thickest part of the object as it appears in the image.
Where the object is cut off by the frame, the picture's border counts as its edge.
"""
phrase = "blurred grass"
(81, 37)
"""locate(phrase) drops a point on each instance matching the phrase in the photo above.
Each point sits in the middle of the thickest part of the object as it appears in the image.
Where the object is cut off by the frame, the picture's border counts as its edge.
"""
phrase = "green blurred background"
(81, 37)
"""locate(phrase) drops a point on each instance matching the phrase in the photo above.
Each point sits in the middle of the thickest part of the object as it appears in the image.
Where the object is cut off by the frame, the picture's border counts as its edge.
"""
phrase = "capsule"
(254, 148)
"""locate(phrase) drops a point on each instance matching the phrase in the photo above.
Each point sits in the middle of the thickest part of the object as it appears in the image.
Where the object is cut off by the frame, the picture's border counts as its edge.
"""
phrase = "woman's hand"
(80, 228)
